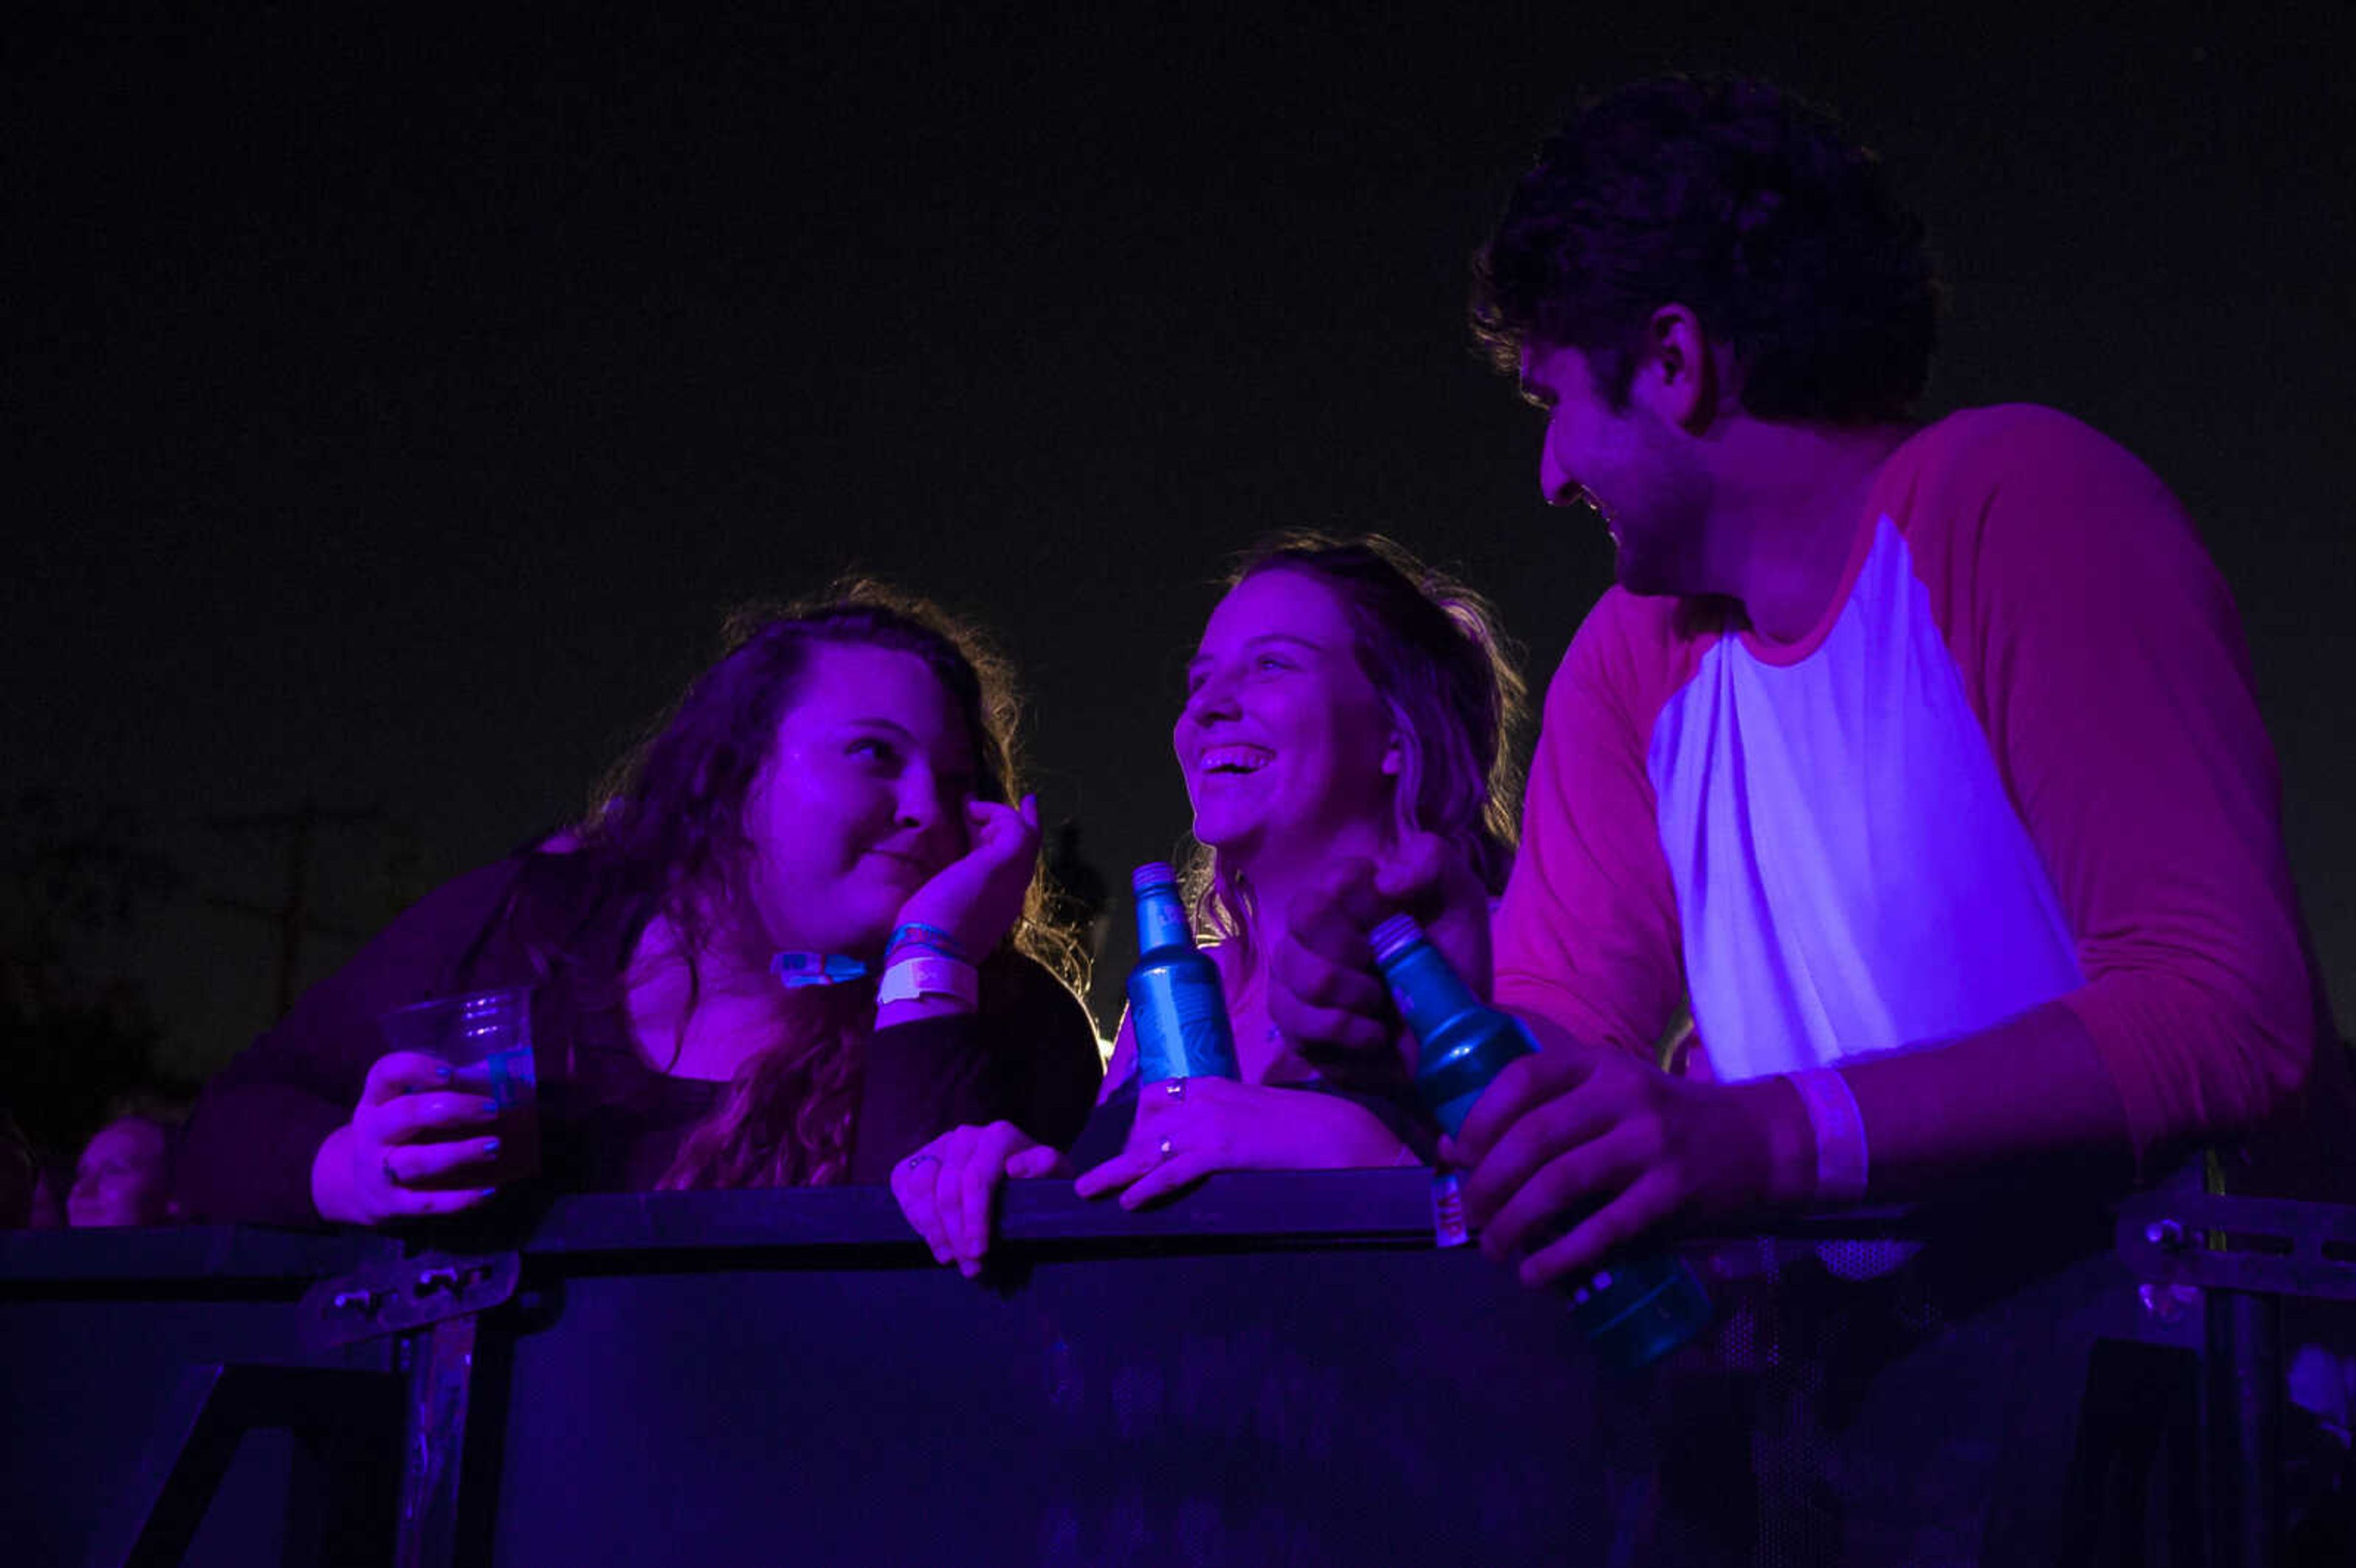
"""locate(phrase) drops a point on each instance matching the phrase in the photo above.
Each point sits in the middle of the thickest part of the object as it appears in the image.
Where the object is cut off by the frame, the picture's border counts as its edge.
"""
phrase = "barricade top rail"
(1307, 1209)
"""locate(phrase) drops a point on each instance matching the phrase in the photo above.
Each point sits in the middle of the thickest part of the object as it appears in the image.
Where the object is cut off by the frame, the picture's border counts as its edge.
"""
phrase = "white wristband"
(1840, 1135)
(917, 972)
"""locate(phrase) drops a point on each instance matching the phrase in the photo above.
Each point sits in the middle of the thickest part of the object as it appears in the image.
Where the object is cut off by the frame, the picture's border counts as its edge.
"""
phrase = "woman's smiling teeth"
(1236, 759)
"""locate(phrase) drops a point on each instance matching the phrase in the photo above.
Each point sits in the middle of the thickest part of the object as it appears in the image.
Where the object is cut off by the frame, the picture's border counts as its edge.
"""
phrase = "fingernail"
(444, 1072)
(489, 1110)
(490, 1145)
(487, 1192)
(969, 1267)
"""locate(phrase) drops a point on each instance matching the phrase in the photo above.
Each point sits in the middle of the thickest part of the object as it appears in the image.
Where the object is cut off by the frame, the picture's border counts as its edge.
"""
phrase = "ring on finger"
(1176, 1089)
(1165, 1153)
(915, 1160)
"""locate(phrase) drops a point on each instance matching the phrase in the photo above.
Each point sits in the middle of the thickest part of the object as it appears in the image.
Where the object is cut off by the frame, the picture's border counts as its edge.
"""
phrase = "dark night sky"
(397, 404)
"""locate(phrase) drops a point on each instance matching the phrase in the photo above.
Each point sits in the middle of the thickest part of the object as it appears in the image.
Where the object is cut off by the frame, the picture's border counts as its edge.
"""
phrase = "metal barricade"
(1274, 1369)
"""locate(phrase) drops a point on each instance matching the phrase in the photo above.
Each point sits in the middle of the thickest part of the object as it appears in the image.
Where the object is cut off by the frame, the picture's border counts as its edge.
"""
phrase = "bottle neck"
(1428, 991)
(1162, 920)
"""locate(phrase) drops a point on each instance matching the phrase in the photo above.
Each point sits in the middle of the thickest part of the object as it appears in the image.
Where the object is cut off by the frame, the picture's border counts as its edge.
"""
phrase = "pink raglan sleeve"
(2107, 661)
(1587, 938)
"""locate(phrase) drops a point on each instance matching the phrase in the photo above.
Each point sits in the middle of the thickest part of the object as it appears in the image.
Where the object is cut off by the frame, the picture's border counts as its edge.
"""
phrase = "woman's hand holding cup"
(415, 1147)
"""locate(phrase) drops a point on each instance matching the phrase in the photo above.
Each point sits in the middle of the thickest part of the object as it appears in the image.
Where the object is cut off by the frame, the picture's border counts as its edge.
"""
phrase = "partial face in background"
(1284, 739)
(124, 1178)
(1631, 465)
(863, 800)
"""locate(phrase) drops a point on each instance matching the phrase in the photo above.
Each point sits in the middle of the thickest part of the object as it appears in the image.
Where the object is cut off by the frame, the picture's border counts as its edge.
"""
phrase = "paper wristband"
(919, 972)
(1840, 1135)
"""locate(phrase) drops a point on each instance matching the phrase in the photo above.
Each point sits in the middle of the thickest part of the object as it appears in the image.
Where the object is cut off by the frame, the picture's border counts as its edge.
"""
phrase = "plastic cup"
(486, 1037)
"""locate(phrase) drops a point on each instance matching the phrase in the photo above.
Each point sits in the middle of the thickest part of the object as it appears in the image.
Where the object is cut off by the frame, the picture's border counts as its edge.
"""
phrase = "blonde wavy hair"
(1452, 684)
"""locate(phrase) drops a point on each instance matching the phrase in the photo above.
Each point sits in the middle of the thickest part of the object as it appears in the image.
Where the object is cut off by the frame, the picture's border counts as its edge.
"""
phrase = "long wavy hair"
(671, 815)
(1452, 684)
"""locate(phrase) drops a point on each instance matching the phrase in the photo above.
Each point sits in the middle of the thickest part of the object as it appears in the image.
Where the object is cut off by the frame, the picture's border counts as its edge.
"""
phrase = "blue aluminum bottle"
(1175, 1002)
(1633, 1314)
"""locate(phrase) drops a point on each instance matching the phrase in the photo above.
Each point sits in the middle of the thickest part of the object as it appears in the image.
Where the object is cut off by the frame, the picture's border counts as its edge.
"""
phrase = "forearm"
(2031, 1094)
(923, 1076)
(1338, 1134)
(917, 1009)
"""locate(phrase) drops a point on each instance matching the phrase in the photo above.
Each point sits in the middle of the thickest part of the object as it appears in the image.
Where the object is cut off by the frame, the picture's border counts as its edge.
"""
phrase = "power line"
(292, 914)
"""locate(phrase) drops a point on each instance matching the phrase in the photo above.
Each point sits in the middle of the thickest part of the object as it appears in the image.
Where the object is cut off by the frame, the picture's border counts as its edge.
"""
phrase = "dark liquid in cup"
(506, 1078)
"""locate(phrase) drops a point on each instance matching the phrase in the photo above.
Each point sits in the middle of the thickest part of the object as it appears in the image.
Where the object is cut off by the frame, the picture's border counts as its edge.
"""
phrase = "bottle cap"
(1152, 874)
(1395, 937)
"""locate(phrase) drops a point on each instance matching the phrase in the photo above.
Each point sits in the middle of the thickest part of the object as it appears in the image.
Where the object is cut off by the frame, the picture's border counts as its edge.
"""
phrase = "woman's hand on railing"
(948, 1189)
(415, 1147)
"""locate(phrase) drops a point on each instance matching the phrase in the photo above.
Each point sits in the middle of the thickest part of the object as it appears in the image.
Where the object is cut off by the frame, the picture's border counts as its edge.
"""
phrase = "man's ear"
(1678, 379)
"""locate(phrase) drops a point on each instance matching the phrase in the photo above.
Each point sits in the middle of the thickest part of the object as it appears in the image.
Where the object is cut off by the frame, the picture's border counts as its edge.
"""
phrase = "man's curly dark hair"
(1745, 206)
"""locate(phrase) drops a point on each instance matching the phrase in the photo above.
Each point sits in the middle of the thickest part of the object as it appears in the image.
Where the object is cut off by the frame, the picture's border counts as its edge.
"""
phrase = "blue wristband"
(916, 933)
(794, 970)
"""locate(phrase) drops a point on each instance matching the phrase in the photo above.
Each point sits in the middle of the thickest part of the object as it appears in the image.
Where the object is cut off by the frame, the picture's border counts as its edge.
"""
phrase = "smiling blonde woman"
(1349, 715)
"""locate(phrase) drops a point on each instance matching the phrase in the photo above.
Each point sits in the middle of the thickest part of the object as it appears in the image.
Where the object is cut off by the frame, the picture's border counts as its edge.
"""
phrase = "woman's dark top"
(609, 1120)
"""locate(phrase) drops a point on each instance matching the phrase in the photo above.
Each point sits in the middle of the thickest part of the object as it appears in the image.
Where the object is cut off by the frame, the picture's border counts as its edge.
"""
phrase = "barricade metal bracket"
(393, 1295)
(2259, 1246)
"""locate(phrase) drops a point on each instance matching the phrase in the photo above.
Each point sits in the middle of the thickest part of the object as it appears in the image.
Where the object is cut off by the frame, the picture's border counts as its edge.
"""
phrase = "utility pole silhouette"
(292, 914)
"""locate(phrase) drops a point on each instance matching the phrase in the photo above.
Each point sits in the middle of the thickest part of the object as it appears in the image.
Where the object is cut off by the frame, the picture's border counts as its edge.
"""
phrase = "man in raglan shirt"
(1925, 761)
